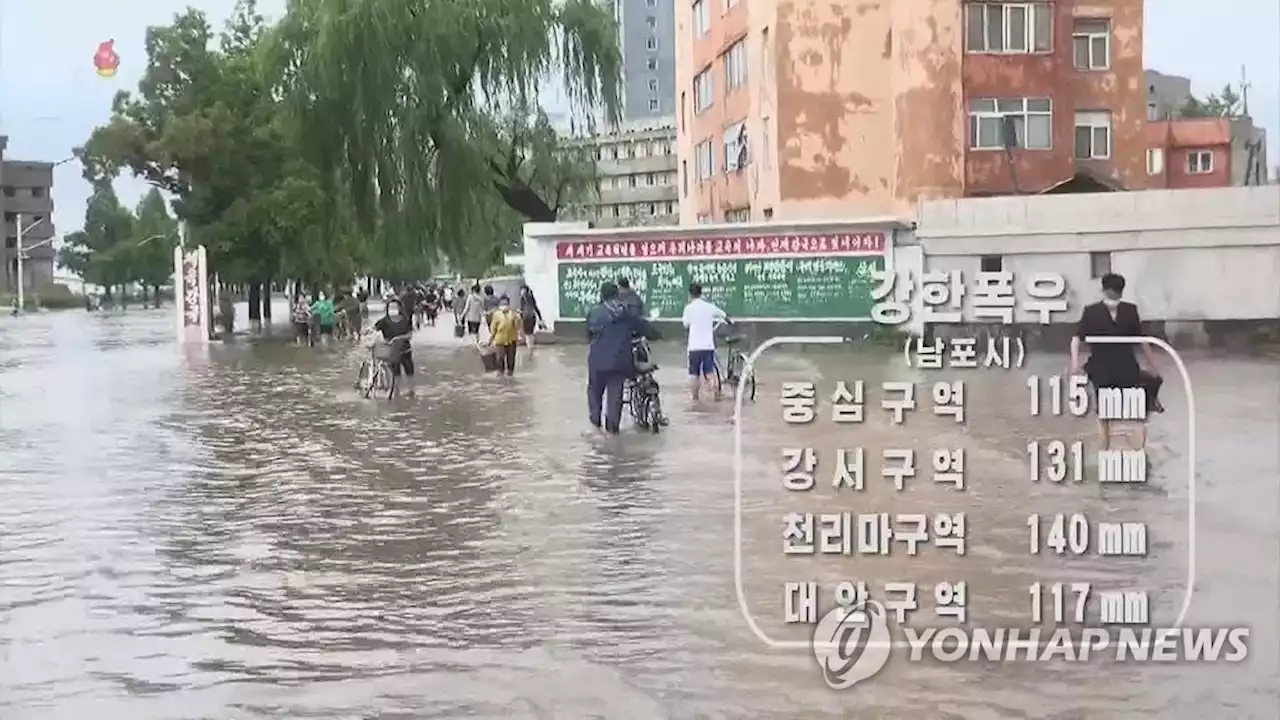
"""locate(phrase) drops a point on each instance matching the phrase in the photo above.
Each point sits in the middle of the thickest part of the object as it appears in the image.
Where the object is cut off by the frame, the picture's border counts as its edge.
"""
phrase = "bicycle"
(641, 391)
(731, 372)
(377, 374)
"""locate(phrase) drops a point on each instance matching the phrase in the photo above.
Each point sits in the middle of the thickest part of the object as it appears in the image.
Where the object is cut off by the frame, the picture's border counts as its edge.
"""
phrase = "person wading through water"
(610, 329)
(1114, 366)
(530, 316)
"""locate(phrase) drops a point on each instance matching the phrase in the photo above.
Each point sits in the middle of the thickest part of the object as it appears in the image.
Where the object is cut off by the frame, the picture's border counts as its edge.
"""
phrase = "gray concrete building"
(1166, 95)
(26, 190)
(637, 175)
(647, 31)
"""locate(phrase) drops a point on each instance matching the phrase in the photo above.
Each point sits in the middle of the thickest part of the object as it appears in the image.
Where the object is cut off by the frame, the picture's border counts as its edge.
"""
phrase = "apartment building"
(26, 190)
(646, 31)
(636, 163)
(803, 109)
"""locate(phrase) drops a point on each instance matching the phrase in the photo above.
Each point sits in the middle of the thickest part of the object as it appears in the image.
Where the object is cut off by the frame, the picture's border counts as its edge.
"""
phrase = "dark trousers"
(506, 358)
(602, 388)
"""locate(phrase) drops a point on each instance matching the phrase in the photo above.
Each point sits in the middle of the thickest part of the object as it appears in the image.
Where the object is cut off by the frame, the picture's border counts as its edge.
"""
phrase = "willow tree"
(407, 103)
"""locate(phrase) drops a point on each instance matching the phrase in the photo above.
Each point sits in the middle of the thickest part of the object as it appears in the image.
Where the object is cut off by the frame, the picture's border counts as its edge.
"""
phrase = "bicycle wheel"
(384, 382)
(655, 420)
(635, 398)
(364, 378)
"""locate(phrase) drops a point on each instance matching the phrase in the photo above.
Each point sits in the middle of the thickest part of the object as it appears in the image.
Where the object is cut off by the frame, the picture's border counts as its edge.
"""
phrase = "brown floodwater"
(233, 533)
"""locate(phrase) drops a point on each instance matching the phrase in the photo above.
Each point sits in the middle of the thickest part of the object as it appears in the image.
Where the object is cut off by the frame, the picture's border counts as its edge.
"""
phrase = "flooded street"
(235, 534)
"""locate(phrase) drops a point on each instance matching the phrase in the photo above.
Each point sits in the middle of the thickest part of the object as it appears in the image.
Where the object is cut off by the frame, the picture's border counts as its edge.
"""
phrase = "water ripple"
(236, 534)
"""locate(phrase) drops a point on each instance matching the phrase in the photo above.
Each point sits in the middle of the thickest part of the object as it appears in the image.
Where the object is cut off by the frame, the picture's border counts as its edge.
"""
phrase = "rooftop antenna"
(1244, 92)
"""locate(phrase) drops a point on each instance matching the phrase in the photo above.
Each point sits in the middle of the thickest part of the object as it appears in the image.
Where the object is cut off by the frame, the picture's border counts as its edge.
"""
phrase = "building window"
(1153, 112)
(11, 242)
(730, 4)
(702, 96)
(737, 215)
(704, 157)
(1091, 44)
(1008, 27)
(991, 263)
(654, 104)
(684, 178)
(8, 191)
(651, 3)
(735, 66)
(701, 19)
(735, 147)
(653, 85)
(651, 63)
(1155, 161)
(1199, 162)
(651, 43)
(1031, 118)
(1093, 135)
(1099, 264)
(666, 147)
(652, 22)
(631, 181)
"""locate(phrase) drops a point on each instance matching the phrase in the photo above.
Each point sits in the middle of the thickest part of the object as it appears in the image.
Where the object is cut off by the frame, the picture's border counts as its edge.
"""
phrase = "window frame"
(701, 19)
(734, 61)
(976, 116)
(701, 173)
(1090, 36)
(732, 132)
(1085, 119)
(1155, 161)
(1034, 43)
(703, 80)
(1200, 168)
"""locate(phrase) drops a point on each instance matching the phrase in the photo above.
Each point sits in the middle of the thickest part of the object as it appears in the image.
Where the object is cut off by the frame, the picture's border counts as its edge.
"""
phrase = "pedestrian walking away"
(700, 317)
(610, 329)
(530, 316)
(473, 312)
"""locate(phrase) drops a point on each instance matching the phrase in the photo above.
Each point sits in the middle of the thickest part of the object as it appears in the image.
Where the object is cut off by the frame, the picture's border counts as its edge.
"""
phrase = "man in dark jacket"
(629, 298)
(610, 328)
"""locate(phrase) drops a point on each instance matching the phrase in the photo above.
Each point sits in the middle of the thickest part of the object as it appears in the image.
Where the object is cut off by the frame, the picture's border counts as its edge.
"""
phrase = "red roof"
(1189, 132)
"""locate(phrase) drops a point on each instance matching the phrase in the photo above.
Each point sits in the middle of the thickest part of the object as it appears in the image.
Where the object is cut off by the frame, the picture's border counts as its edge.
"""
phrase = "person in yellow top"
(504, 335)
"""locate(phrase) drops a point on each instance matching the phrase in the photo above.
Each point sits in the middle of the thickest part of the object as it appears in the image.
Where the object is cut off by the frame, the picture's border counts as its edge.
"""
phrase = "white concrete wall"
(1187, 255)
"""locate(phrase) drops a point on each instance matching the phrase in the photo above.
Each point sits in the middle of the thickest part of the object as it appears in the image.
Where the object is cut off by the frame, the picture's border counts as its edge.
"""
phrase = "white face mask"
(393, 312)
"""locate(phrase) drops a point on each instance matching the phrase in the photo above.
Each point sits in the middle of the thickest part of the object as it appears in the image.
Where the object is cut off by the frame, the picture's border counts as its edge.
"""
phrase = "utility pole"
(23, 230)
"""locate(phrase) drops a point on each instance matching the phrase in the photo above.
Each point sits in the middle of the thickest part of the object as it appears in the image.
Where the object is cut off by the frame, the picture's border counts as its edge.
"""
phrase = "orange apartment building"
(792, 109)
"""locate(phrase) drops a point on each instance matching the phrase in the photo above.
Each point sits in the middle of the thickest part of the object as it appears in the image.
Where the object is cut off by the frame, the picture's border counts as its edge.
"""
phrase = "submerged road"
(234, 534)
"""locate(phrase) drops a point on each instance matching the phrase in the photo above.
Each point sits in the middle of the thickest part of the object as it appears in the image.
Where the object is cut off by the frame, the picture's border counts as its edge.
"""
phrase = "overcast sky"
(52, 98)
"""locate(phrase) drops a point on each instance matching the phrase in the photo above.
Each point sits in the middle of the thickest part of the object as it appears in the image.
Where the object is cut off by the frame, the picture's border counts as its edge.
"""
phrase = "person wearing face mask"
(325, 316)
(396, 328)
(504, 335)
(1113, 365)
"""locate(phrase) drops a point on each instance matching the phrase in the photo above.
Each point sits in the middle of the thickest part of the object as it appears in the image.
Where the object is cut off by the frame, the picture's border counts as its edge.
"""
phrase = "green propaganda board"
(778, 288)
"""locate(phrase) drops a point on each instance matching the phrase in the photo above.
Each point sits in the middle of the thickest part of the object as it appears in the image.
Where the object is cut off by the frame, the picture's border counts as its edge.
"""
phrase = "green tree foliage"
(356, 136)
(155, 235)
(101, 252)
(1224, 104)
